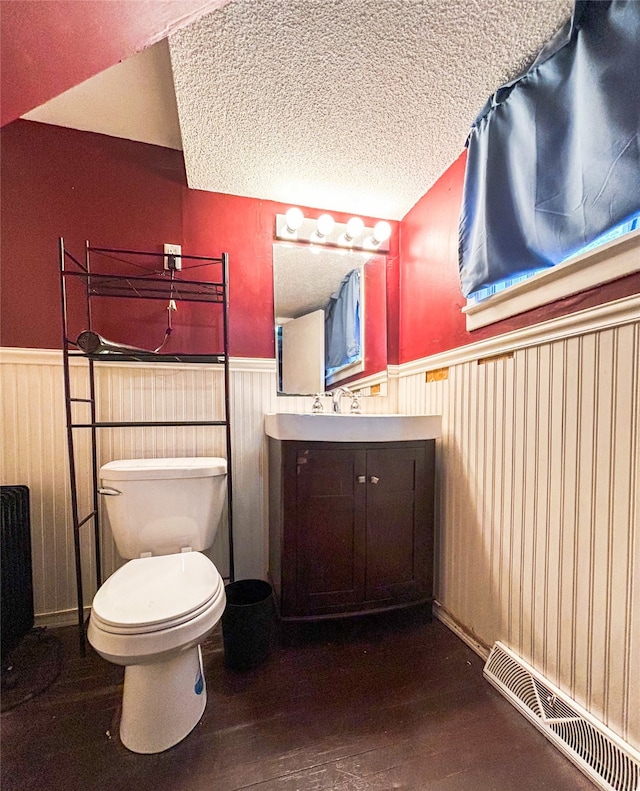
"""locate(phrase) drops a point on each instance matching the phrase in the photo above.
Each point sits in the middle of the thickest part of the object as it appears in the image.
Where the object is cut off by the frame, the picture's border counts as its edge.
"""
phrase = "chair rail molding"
(582, 322)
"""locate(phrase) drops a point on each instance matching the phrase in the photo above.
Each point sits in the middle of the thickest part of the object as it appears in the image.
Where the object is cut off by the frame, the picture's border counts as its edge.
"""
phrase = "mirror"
(330, 318)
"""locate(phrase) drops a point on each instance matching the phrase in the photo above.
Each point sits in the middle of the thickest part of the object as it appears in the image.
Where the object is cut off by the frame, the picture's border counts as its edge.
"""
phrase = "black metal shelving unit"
(150, 281)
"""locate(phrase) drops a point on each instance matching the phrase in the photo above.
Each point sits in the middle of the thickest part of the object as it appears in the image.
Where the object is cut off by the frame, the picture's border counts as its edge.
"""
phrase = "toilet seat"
(156, 593)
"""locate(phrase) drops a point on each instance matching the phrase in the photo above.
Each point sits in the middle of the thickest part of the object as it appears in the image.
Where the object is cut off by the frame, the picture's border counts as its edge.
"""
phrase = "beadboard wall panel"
(252, 394)
(34, 453)
(149, 393)
(537, 496)
(537, 482)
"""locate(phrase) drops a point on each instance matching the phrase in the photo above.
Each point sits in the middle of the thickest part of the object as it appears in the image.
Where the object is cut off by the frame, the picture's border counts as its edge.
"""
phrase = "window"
(613, 255)
(553, 159)
(605, 238)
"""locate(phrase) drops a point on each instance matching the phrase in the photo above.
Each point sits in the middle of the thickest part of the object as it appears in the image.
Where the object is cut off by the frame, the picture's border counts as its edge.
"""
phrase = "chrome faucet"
(335, 398)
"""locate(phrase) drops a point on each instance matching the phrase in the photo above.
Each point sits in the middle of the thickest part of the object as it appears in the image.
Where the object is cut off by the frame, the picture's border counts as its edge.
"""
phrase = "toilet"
(153, 613)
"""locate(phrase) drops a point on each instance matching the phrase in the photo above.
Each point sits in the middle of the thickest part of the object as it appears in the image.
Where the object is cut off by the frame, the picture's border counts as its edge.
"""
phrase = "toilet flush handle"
(108, 490)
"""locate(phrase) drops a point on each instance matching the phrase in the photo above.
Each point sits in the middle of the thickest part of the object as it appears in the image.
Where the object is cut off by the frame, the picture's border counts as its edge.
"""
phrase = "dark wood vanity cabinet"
(350, 526)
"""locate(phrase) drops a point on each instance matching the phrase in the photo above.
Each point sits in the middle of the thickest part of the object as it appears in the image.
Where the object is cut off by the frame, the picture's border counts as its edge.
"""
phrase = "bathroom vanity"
(351, 523)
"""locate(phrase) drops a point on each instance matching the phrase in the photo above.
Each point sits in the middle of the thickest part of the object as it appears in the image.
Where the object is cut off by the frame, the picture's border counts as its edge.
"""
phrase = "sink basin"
(329, 427)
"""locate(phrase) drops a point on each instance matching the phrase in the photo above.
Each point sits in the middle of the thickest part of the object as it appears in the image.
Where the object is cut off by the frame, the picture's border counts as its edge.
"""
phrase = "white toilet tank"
(163, 505)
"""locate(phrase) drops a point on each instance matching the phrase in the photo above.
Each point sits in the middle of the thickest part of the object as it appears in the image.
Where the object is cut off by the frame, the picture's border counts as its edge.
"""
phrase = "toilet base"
(162, 702)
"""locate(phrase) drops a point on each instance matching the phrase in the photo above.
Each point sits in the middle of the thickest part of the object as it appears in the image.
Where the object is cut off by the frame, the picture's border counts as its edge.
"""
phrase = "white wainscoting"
(538, 469)
(537, 485)
(34, 453)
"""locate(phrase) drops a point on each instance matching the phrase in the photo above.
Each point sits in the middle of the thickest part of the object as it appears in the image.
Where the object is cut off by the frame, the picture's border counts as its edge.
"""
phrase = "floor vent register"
(607, 760)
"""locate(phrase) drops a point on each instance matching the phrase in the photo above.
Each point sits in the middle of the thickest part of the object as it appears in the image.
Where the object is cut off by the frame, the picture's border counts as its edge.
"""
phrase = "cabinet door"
(399, 528)
(330, 529)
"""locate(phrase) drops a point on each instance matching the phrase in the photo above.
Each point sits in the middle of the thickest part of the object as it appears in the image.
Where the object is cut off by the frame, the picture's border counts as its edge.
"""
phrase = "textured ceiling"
(347, 105)
(351, 105)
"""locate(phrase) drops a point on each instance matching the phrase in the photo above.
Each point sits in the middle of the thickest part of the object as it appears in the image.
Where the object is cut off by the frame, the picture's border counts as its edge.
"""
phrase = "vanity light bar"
(353, 235)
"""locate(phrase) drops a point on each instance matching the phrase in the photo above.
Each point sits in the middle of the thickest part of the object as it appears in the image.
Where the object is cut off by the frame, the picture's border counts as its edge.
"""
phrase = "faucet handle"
(355, 404)
(317, 406)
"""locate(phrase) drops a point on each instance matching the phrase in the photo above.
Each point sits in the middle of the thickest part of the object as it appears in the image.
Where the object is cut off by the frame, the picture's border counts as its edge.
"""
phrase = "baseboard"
(477, 645)
(54, 620)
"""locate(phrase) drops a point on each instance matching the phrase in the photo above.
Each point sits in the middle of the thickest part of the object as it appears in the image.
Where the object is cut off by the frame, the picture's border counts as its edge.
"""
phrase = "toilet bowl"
(153, 613)
(151, 616)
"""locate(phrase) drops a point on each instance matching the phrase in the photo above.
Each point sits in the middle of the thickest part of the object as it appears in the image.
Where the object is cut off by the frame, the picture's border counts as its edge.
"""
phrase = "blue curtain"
(342, 323)
(554, 156)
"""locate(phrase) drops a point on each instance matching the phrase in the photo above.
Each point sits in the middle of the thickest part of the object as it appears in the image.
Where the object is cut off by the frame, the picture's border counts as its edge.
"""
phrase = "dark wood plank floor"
(372, 706)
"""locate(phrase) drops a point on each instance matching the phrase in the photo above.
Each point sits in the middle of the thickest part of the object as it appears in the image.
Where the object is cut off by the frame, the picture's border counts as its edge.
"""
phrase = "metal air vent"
(606, 759)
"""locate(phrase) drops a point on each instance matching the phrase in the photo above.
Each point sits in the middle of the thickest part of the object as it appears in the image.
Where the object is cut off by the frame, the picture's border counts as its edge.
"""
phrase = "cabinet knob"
(374, 479)
(362, 478)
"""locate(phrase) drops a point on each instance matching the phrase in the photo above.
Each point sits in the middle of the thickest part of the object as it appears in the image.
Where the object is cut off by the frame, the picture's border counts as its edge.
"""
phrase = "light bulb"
(355, 226)
(324, 225)
(381, 232)
(294, 218)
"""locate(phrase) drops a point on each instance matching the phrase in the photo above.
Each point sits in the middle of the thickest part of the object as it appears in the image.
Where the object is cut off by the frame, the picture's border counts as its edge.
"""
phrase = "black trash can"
(248, 623)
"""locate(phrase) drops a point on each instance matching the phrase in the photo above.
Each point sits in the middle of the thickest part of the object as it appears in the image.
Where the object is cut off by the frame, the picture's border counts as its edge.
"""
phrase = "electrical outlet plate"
(172, 253)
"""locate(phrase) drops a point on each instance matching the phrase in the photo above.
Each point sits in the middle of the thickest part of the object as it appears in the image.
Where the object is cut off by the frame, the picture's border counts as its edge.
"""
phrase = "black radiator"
(17, 581)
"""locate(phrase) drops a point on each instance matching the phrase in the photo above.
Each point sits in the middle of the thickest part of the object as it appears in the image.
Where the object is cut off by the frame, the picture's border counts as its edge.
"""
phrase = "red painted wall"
(429, 293)
(48, 47)
(128, 195)
(430, 300)
(375, 316)
(118, 193)
(69, 183)
(123, 194)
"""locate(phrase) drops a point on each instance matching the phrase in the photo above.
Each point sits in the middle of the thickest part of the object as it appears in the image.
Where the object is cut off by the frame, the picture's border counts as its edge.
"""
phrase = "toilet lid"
(152, 469)
(148, 592)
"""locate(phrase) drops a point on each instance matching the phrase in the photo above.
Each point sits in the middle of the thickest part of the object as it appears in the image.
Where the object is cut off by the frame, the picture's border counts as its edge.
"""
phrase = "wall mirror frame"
(306, 277)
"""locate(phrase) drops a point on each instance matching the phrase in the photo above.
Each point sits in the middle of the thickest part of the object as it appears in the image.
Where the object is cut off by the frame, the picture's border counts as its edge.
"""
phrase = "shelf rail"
(153, 285)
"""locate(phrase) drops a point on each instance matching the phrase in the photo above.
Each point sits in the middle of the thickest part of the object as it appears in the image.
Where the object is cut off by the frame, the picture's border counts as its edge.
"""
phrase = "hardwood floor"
(369, 706)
